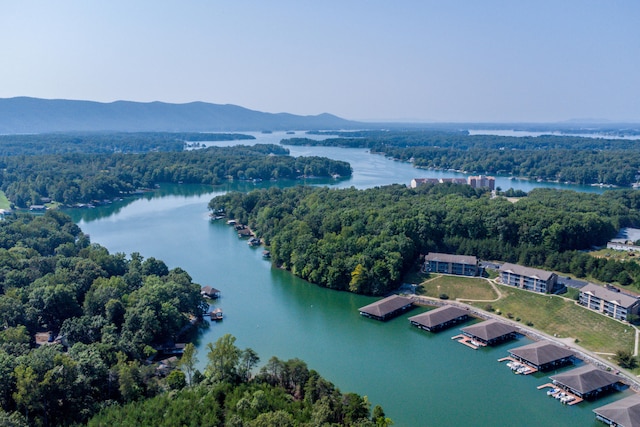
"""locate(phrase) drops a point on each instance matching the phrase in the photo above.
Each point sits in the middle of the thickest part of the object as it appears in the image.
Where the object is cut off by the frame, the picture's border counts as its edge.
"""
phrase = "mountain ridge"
(38, 115)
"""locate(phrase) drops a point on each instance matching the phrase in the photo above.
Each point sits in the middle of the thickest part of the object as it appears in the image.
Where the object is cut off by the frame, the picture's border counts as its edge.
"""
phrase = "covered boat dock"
(586, 382)
(387, 308)
(542, 355)
(440, 318)
(490, 332)
(623, 412)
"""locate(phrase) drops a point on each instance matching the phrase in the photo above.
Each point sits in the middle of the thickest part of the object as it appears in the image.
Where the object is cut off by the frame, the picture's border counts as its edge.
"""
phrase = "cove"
(420, 379)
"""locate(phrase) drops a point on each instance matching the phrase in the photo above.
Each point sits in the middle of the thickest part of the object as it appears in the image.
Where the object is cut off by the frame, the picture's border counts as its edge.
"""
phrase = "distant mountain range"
(35, 115)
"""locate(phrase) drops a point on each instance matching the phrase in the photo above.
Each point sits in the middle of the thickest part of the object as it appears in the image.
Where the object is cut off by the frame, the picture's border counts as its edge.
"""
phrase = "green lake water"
(420, 379)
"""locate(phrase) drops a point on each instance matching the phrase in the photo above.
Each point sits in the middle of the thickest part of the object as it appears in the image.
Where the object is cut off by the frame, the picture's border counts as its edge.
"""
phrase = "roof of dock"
(624, 412)
(541, 352)
(386, 305)
(489, 329)
(438, 316)
(586, 378)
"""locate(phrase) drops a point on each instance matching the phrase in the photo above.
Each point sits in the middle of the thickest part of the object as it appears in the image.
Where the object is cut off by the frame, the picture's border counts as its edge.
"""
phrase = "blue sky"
(483, 61)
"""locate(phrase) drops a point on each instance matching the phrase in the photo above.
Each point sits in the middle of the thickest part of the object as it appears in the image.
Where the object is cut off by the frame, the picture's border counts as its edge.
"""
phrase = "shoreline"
(536, 335)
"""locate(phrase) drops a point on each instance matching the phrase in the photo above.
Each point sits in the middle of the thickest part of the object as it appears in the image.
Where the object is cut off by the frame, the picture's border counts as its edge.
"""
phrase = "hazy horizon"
(413, 62)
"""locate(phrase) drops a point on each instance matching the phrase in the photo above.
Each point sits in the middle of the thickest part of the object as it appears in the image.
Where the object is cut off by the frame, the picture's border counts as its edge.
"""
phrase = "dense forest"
(103, 317)
(364, 241)
(551, 158)
(96, 142)
(110, 312)
(283, 393)
(82, 177)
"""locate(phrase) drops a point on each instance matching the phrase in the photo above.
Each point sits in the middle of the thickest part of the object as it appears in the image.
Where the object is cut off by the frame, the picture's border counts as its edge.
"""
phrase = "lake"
(419, 378)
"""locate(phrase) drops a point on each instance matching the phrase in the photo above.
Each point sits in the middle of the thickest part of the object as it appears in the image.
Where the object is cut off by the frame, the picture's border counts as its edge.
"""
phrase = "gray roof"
(460, 259)
(489, 329)
(624, 412)
(526, 271)
(438, 316)
(209, 290)
(585, 379)
(603, 293)
(387, 305)
(541, 352)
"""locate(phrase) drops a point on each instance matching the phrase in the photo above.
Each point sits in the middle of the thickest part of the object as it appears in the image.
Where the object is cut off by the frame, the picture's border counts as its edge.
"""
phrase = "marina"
(399, 356)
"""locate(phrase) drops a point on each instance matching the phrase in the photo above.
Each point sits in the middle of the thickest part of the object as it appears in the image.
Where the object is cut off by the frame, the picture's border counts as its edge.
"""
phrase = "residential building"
(462, 265)
(530, 279)
(609, 301)
(482, 181)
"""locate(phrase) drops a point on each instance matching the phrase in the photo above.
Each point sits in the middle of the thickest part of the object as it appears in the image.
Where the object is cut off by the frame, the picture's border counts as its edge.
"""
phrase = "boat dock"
(468, 341)
(518, 367)
(560, 394)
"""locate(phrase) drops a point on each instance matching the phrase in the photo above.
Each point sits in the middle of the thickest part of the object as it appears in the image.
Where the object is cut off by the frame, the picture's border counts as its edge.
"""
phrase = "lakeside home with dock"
(387, 308)
(440, 318)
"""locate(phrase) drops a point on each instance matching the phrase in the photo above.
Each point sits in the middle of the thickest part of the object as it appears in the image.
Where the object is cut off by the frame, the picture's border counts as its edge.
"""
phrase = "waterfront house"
(624, 412)
(527, 278)
(490, 332)
(387, 308)
(586, 382)
(209, 292)
(440, 318)
(463, 265)
(37, 208)
(609, 301)
(542, 355)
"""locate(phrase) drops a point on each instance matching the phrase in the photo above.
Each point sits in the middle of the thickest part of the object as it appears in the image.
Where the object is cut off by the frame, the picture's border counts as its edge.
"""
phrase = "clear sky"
(422, 60)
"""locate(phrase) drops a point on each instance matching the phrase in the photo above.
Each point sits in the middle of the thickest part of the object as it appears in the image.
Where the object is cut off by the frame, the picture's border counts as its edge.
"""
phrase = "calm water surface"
(420, 379)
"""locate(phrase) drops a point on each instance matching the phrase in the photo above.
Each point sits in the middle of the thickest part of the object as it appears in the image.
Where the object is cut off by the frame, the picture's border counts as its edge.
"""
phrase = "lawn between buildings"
(555, 315)
(4, 202)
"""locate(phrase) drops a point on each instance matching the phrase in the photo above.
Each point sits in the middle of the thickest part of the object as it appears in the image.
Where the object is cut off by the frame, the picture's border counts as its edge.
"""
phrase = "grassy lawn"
(458, 287)
(4, 202)
(563, 318)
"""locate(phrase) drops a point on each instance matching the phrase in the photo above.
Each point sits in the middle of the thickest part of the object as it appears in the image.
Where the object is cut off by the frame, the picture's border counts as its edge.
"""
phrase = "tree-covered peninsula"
(84, 177)
(107, 142)
(364, 241)
(79, 328)
(547, 157)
